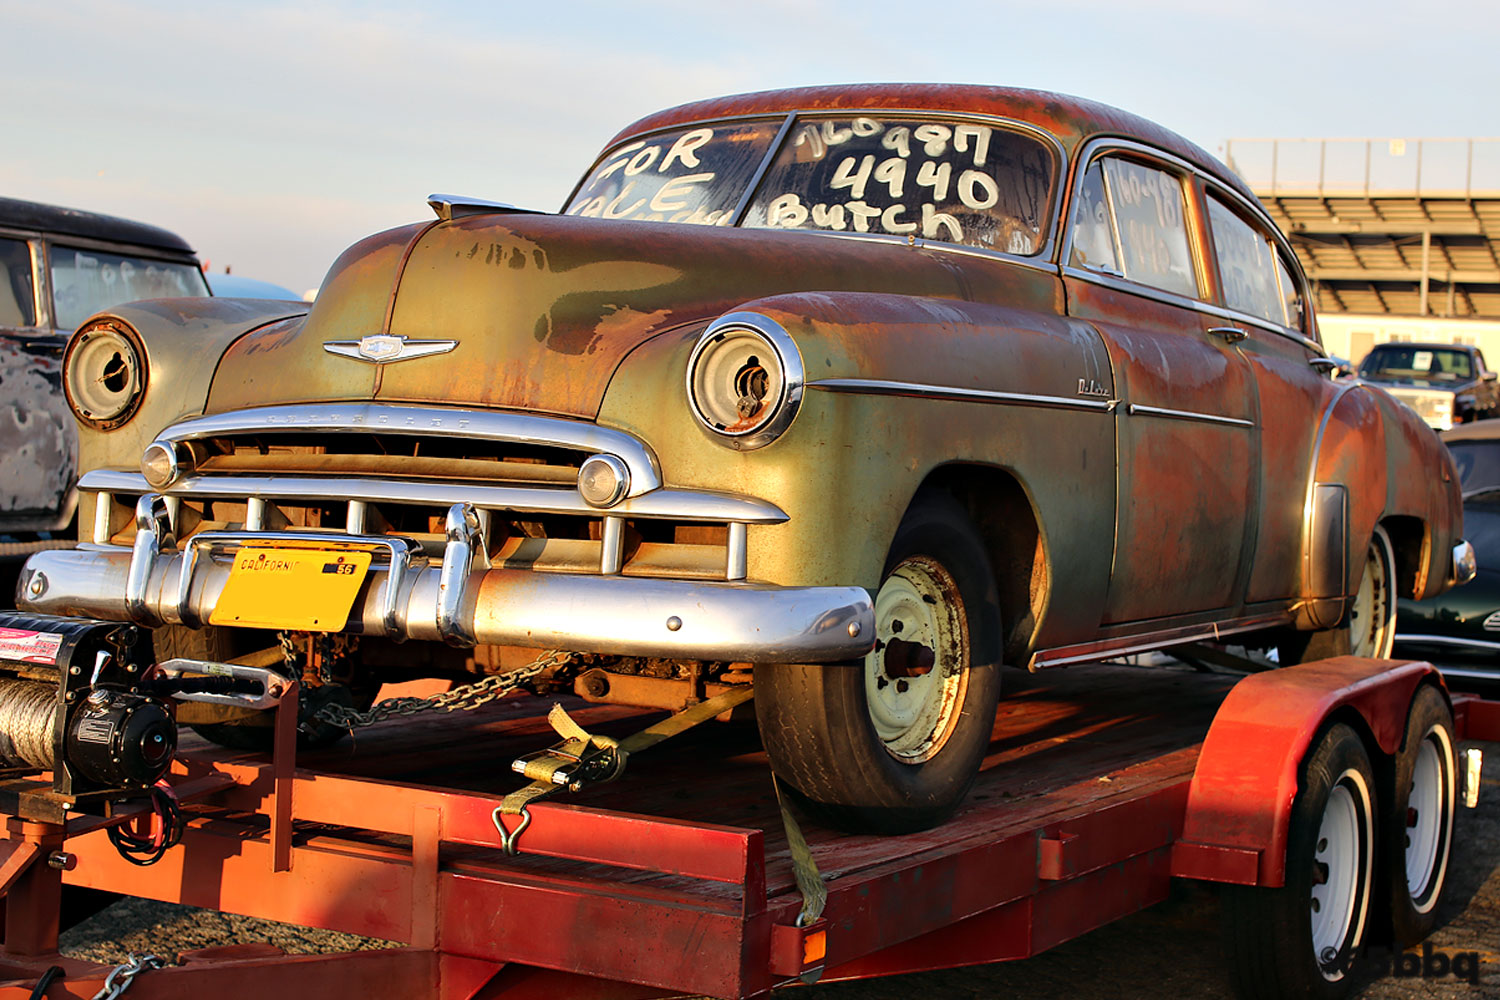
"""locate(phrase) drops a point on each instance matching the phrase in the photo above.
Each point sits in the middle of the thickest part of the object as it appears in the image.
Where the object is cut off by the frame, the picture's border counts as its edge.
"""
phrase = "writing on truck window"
(694, 175)
(957, 182)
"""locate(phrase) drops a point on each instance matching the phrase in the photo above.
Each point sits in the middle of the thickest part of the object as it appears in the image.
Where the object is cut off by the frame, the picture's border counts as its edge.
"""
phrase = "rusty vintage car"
(59, 266)
(858, 392)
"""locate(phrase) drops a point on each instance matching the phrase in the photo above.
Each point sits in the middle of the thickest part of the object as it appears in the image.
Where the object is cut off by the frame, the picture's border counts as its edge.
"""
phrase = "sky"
(272, 135)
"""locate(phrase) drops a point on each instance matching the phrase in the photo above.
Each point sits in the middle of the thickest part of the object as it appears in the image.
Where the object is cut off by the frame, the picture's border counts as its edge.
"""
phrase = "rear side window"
(17, 298)
(1247, 266)
(1145, 231)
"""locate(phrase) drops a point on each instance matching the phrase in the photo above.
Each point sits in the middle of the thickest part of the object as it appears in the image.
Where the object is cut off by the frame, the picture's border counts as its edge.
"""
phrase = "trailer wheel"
(892, 743)
(1369, 627)
(1418, 831)
(1303, 938)
(255, 731)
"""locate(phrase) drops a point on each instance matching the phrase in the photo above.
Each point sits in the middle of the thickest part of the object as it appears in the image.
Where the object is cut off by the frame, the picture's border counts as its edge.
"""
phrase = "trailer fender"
(1240, 799)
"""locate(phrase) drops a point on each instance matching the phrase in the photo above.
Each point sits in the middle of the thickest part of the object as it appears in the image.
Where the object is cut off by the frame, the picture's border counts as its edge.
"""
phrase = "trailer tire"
(1418, 832)
(1304, 937)
(1369, 626)
(891, 743)
(255, 732)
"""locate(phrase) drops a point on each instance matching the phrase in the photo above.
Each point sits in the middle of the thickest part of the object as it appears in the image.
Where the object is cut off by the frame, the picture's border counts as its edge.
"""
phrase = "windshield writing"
(693, 175)
(86, 281)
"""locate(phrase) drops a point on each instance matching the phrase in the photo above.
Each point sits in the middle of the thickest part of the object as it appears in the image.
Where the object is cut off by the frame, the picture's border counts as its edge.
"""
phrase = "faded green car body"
(1138, 479)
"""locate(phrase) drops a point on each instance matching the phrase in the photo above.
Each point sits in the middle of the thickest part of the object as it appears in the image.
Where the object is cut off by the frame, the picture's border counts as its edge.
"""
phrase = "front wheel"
(891, 744)
(1303, 938)
(1369, 627)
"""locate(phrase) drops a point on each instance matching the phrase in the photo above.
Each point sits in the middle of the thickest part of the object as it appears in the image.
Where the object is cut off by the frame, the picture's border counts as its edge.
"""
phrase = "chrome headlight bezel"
(104, 374)
(736, 333)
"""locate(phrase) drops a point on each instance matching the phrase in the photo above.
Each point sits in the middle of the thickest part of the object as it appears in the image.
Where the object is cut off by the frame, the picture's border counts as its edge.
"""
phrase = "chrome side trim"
(888, 387)
(1207, 418)
(1454, 642)
(429, 421)
(676, 505)
(1100, 649)
(628, 616)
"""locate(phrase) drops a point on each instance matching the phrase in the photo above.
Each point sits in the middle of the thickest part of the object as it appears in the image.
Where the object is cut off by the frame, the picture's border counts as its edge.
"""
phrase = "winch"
(72, 702)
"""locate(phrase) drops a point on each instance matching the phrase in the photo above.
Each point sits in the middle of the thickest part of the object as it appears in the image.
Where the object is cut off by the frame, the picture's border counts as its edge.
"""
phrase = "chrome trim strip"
(1405, 638)
(429, 421)
(602, 614)
(889, 387)
(676, 505)
(1207, 418)
(1164, 639)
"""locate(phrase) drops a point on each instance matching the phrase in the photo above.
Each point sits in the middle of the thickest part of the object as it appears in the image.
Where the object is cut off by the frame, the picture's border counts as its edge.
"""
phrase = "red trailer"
(1101, 785)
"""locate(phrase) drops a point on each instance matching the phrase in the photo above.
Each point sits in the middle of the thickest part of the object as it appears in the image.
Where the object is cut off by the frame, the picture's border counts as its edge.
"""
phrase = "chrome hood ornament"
(385, 348)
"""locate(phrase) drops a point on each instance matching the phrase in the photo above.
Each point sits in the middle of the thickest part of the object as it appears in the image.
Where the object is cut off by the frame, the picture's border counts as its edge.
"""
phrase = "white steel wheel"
(1341, 861)
(915, 677)
(1418, 831)
(1304, 937)
(1372, 614)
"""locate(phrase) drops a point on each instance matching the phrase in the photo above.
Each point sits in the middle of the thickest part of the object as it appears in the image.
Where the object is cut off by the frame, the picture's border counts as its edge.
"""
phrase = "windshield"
(86, 281)
(1434, 364)
(973, 183)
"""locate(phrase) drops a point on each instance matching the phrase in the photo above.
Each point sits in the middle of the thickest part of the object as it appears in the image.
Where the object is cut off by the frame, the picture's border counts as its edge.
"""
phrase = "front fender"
(846, 469)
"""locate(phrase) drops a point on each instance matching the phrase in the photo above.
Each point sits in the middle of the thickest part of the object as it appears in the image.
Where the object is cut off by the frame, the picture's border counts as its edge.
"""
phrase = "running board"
(1145, 642)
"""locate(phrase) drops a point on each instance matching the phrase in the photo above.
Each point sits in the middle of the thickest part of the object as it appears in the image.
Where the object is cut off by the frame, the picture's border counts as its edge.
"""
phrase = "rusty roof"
(1073, 120)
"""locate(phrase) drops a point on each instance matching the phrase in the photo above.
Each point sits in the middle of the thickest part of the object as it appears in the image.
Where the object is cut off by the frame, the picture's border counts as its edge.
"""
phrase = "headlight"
(744, 379)
(104, 374)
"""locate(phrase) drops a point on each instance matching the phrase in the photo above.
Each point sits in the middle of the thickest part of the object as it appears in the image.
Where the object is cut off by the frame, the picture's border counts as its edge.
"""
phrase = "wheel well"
(1408, 542)
(1003, 515)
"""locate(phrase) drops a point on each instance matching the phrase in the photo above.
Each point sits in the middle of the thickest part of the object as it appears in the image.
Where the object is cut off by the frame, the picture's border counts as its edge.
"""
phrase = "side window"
(17, 300)
(1291, 296)
(1148, 210)
(1245, 265)
(1093, 230)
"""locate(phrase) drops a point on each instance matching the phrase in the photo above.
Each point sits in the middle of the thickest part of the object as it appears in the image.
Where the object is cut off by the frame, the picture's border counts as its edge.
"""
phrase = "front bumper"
(462, 602)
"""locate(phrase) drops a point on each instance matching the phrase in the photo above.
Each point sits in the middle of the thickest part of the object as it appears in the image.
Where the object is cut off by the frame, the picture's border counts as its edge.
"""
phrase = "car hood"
(541, 308)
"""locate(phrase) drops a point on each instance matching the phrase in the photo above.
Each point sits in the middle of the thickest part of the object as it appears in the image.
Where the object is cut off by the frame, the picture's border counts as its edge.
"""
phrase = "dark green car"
(1461, 628)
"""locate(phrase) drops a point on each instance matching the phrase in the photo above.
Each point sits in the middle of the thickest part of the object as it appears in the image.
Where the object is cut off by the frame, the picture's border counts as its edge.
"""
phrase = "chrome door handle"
(1231, 334)
(1324, 364)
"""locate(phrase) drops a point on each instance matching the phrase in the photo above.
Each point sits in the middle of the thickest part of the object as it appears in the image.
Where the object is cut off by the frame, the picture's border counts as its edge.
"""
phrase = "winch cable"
(27, 712)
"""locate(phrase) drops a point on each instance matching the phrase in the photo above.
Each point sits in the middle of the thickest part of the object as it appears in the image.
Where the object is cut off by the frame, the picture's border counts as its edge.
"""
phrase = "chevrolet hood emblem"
(384, 348)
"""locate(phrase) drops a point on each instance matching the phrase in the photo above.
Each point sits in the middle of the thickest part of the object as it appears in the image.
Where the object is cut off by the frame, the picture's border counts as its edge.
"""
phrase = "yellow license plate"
(305, 589)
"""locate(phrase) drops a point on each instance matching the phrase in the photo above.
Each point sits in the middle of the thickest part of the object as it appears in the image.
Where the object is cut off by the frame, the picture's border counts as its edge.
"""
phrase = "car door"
(1260, 295)
(1186, 421)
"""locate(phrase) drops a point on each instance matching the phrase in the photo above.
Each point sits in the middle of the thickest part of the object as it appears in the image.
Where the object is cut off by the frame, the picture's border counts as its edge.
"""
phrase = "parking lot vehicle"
(1446, 384)
(857, 392)
(59, 267)
(1461, 628)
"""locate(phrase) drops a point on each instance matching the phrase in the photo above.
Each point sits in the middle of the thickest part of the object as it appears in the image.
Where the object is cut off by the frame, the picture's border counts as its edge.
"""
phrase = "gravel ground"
(1172, 949)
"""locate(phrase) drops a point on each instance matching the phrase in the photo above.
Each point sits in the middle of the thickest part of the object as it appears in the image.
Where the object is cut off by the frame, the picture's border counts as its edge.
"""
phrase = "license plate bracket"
(305, 589)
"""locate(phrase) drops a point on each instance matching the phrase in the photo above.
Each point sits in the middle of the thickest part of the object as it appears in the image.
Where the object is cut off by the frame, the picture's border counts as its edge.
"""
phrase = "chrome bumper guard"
(462, 601)
(1465, 565)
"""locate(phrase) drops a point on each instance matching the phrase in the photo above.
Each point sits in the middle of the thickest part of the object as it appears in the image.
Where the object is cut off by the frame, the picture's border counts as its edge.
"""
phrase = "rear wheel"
(892, 743)
(1303, 938)
(1418, 830)
(1369, 627)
